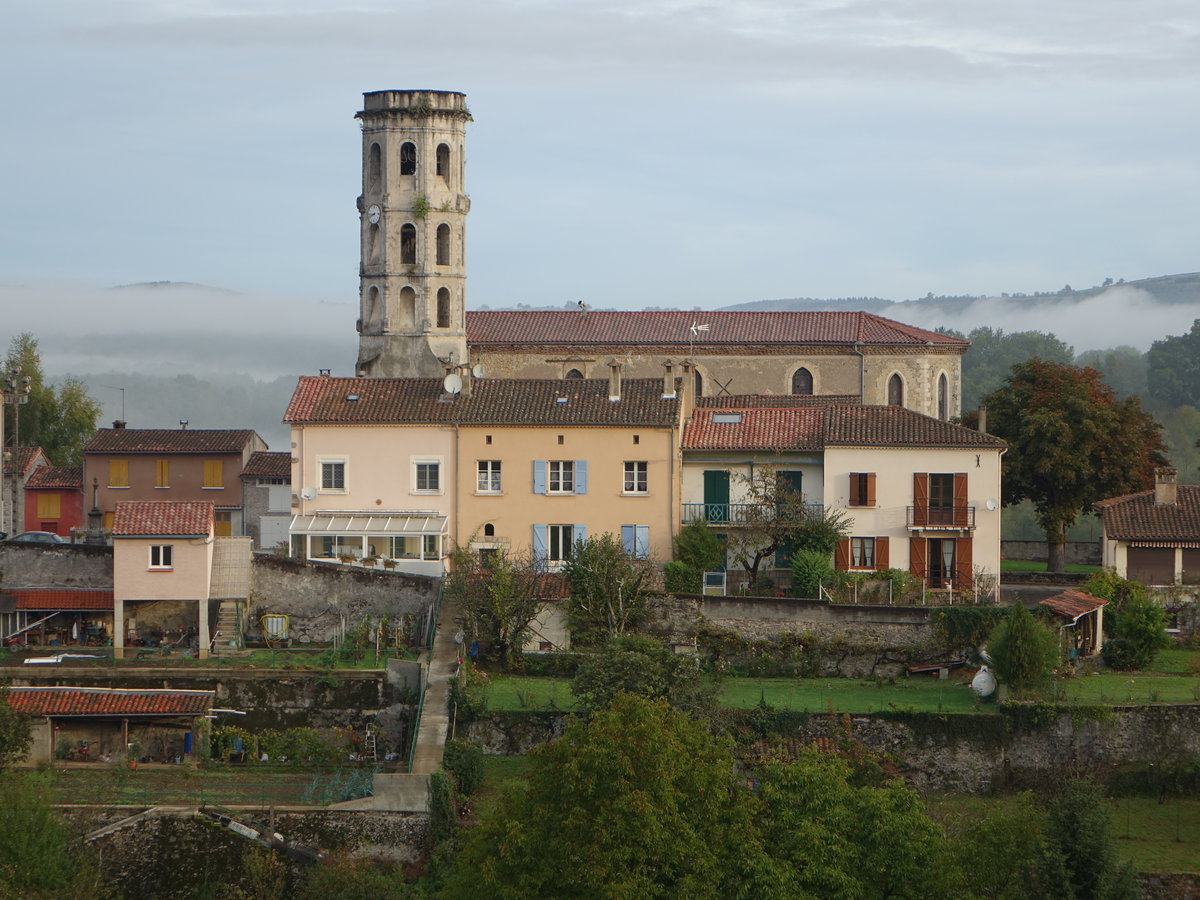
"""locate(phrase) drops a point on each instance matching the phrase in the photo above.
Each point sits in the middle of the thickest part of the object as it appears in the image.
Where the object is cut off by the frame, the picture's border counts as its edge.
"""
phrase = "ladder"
(370, 750)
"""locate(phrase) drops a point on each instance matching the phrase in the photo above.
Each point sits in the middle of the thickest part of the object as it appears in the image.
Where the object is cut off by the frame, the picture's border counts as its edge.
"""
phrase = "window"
(408, 243)
(427, 476)
(431, 546)
(553, 544)
(49, 506)
(162, 473)
(560, 476)
(333, 475)
(895, 391)
(223, 523)
(943, 392)
(699, 383)
(374, 171)
(214, 474)
(635, 540)
(443, 160)
(862, 488)
(489, 530)
(443, 244)
(417, 546)
(561, 542)
(862, 553)
(635, 477)
(802, 381)
(118, 473)
(443, 308)
(941, 498)
(488, 476)
(160, 556)
(574, 373)
(408, 158)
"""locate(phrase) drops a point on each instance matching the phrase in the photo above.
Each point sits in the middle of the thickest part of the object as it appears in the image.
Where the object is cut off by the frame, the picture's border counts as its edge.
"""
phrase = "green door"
(716, 495)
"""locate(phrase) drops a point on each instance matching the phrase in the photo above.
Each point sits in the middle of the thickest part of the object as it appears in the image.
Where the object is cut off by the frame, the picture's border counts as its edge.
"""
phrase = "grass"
(1156, 837)
(318, 658)
(1039, 565)
(505, 692)
(1177, 661)
(1126, 687)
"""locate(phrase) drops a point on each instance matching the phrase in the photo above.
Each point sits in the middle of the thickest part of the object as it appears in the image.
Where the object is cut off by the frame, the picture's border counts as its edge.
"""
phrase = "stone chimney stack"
(614, 379)
(982, 419)
(669, 379)
(1166, 491)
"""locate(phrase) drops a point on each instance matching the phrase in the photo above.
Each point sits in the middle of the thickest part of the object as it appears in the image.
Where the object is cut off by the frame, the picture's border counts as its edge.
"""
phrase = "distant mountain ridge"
(1166, 289)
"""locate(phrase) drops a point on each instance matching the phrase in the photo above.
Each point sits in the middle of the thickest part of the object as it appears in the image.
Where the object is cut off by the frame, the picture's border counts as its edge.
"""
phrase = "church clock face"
(373, 213)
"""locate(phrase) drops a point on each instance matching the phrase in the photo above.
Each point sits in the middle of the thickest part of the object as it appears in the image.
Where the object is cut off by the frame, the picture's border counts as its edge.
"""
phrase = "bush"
(1139, 631)
(1023, 651)
(680, 578)
(555, 665)
(464, 761)
(698, 548)
(810, 568)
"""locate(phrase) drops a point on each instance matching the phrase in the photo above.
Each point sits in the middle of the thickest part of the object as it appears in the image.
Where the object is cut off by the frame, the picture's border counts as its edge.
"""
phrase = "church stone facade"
(413, 320)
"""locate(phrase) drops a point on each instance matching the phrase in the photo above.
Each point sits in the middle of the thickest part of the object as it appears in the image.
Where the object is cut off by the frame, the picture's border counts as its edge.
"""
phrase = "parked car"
(37, 537)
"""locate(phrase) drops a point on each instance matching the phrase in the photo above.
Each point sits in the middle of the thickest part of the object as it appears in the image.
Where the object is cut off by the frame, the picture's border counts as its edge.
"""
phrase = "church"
(414, 321)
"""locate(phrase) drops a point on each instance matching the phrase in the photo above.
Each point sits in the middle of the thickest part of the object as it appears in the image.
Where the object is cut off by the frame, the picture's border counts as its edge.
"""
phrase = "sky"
(629, 153)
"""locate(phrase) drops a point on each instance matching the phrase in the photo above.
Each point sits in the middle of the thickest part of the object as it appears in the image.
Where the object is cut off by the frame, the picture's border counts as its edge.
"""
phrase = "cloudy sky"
(628, 152)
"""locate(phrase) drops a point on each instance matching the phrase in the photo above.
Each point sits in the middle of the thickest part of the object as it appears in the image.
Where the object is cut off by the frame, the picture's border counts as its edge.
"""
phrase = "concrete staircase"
(229, 628)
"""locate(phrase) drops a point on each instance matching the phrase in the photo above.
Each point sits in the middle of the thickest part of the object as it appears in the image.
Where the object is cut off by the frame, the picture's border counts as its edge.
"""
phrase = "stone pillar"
(204, 636)
(118, 627)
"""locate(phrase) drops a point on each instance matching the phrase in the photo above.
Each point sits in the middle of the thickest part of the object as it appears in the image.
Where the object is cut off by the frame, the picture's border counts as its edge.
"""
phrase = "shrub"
(464, 761)
(680, 578)
(1139, 631)
(1023, 651)
(810, 568)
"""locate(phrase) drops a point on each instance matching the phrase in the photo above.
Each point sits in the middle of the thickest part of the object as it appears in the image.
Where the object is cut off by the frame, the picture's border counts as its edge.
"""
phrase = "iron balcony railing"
(949, 518)
(741, 513)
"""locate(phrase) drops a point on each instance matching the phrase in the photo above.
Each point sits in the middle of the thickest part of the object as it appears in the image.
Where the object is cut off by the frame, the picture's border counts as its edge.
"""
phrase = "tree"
(1139, 630)
(774, 518)
(1071, 443)
(1173, 369)
(610, 589)
(697, 550)
(993, 353)
(15, 733)
(1123, 368)
(498, 599)
(1079, 828)
(38, 858)
(61, 420)
(1023, 650)
(640, 665)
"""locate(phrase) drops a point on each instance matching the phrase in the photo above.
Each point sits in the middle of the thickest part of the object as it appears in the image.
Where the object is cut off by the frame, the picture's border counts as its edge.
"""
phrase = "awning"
(363, 524)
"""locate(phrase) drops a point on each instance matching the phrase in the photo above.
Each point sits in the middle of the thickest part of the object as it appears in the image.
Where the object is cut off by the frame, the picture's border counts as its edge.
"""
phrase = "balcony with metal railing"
(744, 513)
(941, 518)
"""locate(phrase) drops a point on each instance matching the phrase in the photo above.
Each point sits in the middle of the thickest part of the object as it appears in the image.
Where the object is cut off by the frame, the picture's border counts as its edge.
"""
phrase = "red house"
(54, 500)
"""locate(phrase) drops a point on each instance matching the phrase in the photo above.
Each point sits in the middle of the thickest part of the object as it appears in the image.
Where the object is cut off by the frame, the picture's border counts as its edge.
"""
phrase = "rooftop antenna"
(113, 387)
(183, 424)
(695, 330)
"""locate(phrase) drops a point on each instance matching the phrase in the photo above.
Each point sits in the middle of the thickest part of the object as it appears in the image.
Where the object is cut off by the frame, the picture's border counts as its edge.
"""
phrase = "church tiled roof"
(162, 517)
(1136, 517)
(501, 401)
(673, 327)
(818, 427)
(169, 440)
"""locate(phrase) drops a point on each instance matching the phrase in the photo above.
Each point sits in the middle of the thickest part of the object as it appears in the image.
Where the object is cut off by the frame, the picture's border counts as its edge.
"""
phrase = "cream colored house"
(1154, 536)
(399, 468)
(923, 494)
(162, 572)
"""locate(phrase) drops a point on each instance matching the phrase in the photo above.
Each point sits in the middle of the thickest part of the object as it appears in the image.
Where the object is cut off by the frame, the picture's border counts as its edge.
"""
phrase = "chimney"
(614, 380)
(1166, 491)
(982, 427)
(669, 379)
(118, 424)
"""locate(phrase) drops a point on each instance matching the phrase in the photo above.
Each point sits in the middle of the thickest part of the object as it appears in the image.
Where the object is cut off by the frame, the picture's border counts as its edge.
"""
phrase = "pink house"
(162, 573)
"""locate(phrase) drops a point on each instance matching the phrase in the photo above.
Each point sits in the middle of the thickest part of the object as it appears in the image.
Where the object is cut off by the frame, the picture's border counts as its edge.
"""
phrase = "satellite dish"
(991, 504)
(477, 370)
(452, 383)
(308, 494)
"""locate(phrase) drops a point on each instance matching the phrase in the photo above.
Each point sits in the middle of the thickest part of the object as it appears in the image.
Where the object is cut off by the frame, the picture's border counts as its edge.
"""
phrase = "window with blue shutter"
(635, 540)
(581, 476)
(539, 476)
(539, 544)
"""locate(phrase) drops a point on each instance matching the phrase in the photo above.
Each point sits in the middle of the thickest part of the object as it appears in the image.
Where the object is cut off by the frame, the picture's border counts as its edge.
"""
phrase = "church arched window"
(443, 161)
(943, 397)
(374, 186)
(443, 308)
(895, 390)
(408, 158)
(443, 243)
(408, 243)
(802, 381)
(574, 373)
(699, 382)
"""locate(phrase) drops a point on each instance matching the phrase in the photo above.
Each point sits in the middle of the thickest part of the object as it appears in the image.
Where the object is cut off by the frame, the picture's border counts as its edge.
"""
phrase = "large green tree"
(1173, 368)
(993, 353)
(59, 420)
(498, 598)
(1071, 443)
(610, 588)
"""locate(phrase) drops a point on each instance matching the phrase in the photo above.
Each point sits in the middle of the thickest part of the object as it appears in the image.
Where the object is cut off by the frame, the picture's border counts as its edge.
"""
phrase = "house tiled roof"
(504, 401)
(56, 477)
(169, 440)
(22, 459)
(268, 464)
(673, 327)
(162, 517)
(817, 427)
(63, 599)
(1136, 517)
(1073, 604)
(76, 701)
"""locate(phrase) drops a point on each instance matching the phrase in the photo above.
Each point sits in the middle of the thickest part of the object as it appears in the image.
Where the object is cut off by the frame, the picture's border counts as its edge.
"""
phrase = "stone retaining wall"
(55, 566)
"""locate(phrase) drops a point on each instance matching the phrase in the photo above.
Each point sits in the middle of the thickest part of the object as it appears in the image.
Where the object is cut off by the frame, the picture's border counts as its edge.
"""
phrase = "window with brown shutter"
(920, 498)
(964, 572)
(960, 499)
(841, 554)
(862, 488)
(918, 556)
(881, 553)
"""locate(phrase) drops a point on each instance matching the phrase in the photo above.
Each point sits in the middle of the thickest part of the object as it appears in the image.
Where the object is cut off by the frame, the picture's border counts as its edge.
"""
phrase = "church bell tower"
(412, 219)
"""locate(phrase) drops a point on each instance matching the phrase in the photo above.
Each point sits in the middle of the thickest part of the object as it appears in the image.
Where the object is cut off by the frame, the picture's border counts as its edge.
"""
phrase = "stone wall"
(55, 565)
(323, 598)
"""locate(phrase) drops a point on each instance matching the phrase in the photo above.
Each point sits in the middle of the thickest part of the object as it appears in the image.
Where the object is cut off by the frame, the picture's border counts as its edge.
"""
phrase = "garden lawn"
(157, 785)
(1156, 837)
(1118, 688)
(921, 693)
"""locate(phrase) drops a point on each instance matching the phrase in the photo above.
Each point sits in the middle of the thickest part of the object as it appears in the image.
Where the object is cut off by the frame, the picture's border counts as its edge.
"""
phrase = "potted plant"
(389, 563)
(370, 560)
(346, 557)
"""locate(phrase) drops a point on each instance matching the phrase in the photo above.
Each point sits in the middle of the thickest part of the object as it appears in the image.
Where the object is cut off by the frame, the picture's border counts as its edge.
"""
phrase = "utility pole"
(16, 392)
